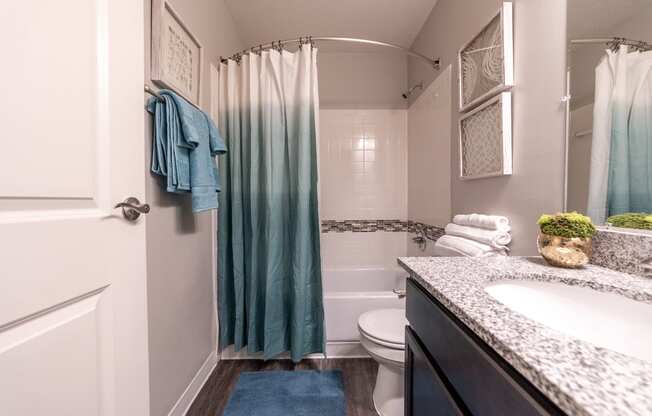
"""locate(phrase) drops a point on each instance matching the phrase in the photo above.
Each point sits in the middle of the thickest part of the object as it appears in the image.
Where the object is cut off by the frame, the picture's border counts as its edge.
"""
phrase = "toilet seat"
(384, 327)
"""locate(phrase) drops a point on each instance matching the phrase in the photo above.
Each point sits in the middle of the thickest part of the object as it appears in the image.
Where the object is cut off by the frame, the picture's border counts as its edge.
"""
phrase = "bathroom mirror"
(609, 110)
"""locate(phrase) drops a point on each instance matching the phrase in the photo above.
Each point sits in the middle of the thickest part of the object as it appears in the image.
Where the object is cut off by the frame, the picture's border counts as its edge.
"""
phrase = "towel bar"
(149, 90)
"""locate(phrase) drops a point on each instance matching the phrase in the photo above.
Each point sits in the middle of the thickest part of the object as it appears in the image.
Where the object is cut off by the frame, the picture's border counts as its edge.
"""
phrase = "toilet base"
(388, 393)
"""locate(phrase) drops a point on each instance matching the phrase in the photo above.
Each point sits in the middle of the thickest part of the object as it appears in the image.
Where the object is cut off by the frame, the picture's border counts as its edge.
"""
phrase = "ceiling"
(591, 18)
(261, 21)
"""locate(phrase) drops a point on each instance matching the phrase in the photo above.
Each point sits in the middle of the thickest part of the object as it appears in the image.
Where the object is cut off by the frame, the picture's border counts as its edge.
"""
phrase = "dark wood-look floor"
(359, 376)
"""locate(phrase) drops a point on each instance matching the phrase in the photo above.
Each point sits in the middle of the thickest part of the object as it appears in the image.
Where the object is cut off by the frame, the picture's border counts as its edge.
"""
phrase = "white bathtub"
(350, 292)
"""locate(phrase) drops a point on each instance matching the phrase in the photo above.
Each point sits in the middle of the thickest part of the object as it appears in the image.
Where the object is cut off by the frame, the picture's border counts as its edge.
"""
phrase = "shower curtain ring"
(300, 42)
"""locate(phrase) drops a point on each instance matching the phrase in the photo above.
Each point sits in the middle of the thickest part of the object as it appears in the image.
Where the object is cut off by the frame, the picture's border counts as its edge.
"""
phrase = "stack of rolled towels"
(475, 235)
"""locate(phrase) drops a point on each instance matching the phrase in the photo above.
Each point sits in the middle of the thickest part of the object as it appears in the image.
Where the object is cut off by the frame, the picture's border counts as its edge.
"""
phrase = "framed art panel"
(486, 63)
(176, 53)
(486, 139)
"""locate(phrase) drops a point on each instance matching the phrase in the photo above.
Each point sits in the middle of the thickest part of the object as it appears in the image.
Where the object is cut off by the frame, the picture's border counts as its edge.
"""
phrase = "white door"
(73, 328)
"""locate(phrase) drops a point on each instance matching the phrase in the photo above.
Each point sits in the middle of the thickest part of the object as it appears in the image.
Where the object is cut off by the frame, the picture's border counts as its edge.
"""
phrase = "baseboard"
(345, 349)
(182, 405)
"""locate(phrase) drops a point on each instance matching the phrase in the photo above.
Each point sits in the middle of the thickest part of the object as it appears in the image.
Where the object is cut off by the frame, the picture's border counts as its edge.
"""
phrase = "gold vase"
(564, 251)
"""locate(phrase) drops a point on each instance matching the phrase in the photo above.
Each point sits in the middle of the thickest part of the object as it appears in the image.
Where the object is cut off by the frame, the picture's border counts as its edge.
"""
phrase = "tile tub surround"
(621, 249)
(578, 377)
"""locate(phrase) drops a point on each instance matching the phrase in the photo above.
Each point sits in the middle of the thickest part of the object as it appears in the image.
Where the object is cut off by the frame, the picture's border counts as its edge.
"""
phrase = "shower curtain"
(269, 273)
(621, 151)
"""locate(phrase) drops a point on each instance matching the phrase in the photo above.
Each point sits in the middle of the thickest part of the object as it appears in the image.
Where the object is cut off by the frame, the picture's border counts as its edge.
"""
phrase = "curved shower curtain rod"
(435, 63)
(615, 42)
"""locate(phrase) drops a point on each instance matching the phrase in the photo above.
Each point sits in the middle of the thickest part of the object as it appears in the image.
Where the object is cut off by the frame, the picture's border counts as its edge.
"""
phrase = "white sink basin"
(603, 319)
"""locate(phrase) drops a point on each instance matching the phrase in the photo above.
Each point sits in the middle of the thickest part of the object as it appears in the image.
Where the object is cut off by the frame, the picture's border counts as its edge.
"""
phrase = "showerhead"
(411, 90)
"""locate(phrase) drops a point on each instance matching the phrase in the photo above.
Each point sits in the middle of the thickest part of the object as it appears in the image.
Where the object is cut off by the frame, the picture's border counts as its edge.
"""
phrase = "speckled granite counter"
(580, 378)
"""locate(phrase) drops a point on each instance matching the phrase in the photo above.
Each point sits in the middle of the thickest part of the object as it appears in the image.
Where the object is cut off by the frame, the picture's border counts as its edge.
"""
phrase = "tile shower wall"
(377, 250)
(363, 177)
(363, 164)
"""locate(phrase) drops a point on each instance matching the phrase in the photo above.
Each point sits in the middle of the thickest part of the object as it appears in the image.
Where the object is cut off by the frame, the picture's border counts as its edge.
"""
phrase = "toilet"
(382, 334)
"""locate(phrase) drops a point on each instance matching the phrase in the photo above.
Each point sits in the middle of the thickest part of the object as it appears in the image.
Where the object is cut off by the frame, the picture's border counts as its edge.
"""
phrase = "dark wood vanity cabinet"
(425, 389)
(450, 371)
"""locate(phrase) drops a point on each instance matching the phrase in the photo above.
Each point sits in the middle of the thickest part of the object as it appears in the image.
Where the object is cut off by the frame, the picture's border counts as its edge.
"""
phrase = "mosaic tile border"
(431, 232)
(363, 226)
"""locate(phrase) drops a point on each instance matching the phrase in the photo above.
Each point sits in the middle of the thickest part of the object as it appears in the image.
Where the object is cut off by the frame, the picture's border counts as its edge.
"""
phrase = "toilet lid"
(386, 325)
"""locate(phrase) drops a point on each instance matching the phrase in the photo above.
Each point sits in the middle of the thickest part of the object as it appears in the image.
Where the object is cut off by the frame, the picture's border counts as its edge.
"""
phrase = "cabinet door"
(426, 394)
(481, 378)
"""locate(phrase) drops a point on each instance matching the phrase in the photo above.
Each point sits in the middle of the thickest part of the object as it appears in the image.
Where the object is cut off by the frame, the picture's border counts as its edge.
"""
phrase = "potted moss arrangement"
(565, 239)
(640, 221)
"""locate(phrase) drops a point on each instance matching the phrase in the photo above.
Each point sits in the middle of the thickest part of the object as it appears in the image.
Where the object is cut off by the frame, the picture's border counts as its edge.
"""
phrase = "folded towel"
(186, 142)
(170, 151)
(490, 222)
(494, 238)
(468, 247)
(440, 251)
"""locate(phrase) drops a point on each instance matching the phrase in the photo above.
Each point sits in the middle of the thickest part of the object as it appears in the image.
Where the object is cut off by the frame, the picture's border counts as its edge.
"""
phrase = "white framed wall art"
(486, 62)
(176, 53)
(485, 139)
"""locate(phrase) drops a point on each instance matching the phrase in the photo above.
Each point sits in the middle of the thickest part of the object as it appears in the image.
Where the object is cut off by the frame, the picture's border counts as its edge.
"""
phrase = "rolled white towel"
(494, 238)
(468, 247)
(490, 222)
(440, 251)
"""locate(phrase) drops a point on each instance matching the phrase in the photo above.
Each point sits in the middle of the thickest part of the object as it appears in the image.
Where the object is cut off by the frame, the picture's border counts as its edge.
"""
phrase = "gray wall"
(362, 80)
(180, 271)
(540, 53)
(429, 132)
(584, 58)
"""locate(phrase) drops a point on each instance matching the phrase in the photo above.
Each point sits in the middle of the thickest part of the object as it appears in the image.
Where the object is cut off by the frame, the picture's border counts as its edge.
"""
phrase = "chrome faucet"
(420, 238)
(646, 265)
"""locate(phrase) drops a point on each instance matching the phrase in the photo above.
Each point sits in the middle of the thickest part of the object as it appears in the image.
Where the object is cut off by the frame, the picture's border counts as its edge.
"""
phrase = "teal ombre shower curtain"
(621, 149)
(269, 272)
(630, 158)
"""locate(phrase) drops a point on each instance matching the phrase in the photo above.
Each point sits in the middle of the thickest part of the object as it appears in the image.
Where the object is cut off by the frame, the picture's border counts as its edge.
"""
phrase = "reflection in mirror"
(609, 141)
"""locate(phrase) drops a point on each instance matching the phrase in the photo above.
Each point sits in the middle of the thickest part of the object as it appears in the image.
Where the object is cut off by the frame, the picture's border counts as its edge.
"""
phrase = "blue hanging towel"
(186, 142)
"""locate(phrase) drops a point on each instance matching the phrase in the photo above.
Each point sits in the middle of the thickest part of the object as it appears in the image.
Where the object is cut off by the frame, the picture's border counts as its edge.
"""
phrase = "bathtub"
(350, 292)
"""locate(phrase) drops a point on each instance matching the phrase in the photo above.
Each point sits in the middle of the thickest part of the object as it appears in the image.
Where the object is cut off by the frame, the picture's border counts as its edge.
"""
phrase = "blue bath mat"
(285, 393)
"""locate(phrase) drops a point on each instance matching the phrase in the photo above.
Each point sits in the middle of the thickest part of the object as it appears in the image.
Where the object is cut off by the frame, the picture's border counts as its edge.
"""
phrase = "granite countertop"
(582, 379)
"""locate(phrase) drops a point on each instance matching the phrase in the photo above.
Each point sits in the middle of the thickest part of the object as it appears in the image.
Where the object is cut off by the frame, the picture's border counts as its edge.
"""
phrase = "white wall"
(362, 80)
(362, 164)
(429, 164)
(180, 272)
(540, 64)
(377, 250)
(363, 175)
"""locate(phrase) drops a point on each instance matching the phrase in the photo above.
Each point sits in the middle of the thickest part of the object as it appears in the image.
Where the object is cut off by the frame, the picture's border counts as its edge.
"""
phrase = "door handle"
(132, 208)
